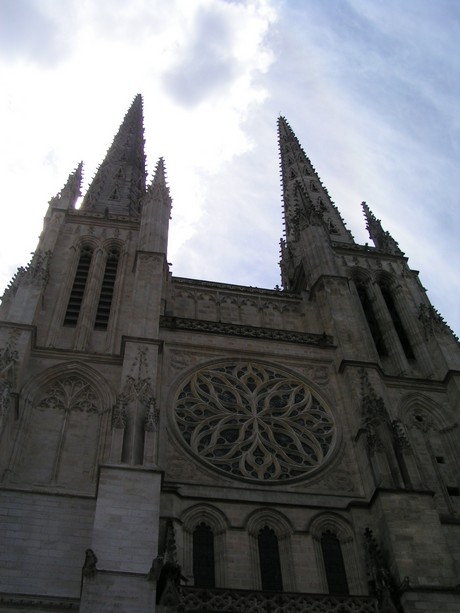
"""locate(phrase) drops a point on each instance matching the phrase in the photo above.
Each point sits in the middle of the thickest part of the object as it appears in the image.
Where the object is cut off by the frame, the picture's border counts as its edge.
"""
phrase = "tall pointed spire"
(306, 200)
(119, 183)
(156, 210)
(307, 208)
(382, 240)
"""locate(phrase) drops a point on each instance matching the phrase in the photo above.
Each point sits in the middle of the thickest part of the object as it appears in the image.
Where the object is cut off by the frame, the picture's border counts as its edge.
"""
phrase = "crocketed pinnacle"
(381, 239)
(306, 200)
(68, 195)
(158, 185)
(156, 211)
(119, 183)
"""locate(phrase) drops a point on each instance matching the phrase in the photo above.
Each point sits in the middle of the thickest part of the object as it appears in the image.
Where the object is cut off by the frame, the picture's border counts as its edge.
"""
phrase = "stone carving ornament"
(223, 599)
(254, 422)
(70, 394)
(137, 387)
(8, 360)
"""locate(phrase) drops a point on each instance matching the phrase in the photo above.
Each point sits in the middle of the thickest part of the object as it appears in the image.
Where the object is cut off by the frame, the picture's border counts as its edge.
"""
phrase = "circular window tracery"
(254, 422)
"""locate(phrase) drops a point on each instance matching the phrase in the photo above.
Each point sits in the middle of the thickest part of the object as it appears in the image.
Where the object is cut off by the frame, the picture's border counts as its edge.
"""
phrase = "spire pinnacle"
(67, 197)
(119, 183)
(381, 239)
(156, 211)
(158, 183)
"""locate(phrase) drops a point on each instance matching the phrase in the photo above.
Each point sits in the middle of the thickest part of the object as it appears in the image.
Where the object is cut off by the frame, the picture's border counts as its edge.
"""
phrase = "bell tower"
(75, 316)
(377, 289)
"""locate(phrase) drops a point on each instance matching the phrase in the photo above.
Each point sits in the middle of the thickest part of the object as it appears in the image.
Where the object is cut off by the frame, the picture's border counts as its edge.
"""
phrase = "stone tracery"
(70, 394)
(254, 422)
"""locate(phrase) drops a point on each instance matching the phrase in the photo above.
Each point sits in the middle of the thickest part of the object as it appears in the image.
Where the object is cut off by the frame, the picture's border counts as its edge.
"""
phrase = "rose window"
(254, 422)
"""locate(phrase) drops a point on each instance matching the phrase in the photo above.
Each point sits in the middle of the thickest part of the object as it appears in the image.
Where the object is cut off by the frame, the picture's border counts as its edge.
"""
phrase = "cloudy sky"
(371, 89)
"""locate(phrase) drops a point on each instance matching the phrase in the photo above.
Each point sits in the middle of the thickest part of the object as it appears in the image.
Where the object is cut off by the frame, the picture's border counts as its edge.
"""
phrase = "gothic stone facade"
(171, 444)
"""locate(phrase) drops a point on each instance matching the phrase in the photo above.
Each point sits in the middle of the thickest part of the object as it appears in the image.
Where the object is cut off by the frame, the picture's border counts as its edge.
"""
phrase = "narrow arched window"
(371, 320)
(333, 563)
(78, 288)
(108, 284)
(397, 323)
(203, 556)
(269, 557)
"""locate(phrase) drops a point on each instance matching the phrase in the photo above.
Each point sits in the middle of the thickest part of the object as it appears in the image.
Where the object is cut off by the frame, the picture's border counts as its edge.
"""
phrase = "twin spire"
(119, 186)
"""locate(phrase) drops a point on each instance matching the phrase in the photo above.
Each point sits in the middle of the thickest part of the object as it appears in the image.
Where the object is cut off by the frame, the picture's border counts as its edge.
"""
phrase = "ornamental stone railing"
(248, 601)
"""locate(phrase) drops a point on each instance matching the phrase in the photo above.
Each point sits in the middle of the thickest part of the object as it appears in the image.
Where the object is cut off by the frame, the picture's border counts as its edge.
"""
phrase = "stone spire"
(119, 183)
(156, 210)
(68, 195)
(312, 221)
(306, 200)
(381, 239)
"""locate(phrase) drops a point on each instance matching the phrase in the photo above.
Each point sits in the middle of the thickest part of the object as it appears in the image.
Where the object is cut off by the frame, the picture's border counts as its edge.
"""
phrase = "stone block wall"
(43, 539)
(108, 592)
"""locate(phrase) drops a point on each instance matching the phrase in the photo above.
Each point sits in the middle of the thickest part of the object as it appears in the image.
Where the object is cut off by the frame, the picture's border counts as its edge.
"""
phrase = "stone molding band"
(214, 327)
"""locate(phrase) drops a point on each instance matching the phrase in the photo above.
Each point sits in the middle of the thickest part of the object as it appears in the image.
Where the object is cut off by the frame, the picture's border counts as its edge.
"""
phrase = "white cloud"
(31, 32)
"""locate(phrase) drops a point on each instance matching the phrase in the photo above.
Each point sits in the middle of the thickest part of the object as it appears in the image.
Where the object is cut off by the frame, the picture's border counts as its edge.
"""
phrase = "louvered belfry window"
(78, 288)
(371, 321)
(108, 284)
(397, 323)
(269, 556)
(333, 564)
(203, 556)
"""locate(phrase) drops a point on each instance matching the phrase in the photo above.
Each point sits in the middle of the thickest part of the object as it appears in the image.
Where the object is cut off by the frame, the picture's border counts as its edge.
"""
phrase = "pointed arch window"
(371, 319)
(108, 284)
(397, 323)
(203, 556)
(78, 288)
(269, 558)
(433, 444)
(333, 563)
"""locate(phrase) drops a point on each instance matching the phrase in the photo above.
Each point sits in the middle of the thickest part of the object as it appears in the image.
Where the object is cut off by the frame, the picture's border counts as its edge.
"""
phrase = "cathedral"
(173, 444)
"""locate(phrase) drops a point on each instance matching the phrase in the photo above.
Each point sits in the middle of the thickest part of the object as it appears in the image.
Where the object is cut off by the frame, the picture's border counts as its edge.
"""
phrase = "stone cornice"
(39, 602)
(84, 216)
(214, 327)
(273, 293)
(401, 381)
(82, 356)
(367, 250)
